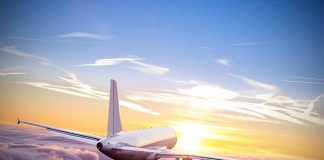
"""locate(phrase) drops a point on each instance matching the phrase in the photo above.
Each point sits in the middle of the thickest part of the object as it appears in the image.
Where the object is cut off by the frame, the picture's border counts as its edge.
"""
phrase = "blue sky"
(267, 40)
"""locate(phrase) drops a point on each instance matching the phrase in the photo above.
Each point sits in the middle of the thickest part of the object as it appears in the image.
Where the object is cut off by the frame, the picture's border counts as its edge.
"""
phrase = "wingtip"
(18, 121)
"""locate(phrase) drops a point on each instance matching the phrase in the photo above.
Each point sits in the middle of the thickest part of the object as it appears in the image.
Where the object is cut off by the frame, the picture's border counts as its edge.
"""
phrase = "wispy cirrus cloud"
(139, 66)
(255, 83)
(110, 62)
(74, 85)
(4, 73)
(58, 88)
(10, 71)
(81, 89)
(308, 78)
(223, 62)
(208, 91)
(31, 56)
(303, 82)
(202, 102)
(149, 68)
(208, 97)
(85, 35)
(138, 107)
(13, 50)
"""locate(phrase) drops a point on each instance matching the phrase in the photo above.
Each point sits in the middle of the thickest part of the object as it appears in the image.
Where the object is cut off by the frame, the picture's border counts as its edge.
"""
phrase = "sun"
(191, 136)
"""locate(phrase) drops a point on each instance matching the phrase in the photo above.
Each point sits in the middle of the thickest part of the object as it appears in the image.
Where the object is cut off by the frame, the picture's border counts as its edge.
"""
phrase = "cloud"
(140, 66)
(303, 82)
(223, 62)
(51, 152)
(210, 92)
(43, 61)
(285, 100)
(78, 88)
(209, 98)
(316, 79)
(256, 84)
(10, 71)
(315, 104)
(138, 107)
(57, 88)
(110, 62)
(81, 89)
(84, 35)
(29, 144)
(149, 68)
(13, 50)
(4, 74)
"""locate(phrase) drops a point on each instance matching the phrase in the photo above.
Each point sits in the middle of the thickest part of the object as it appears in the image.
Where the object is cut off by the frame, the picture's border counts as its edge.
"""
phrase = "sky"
(247, 74)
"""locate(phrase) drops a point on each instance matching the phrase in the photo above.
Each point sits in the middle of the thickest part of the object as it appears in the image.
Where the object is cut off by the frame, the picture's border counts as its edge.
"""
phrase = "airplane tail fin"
(114, 122)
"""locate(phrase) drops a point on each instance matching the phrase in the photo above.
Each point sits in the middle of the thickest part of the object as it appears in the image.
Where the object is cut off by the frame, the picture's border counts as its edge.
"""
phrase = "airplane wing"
(90, 139)
(166, 153)
(176, 155)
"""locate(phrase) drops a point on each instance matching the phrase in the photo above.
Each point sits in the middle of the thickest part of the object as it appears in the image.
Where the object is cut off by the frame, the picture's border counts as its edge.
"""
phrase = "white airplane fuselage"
(150, 137)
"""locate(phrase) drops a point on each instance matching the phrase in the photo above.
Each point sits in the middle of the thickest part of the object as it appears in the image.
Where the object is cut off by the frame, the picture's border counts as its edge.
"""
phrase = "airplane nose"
(99, 146)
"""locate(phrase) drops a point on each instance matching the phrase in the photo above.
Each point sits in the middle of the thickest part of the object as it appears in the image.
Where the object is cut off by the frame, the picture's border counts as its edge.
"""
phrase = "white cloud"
(223, 62)
(13, 50)
(137, 107)
(9, 71)
(78, 88)
(84, 35)
(206, 91)
(4, 74)
(308, 78)
(303, 82)
(307, 117)
(110, 62)
(311, 106)
(57, 88)
(208, 98)
(82, 87)
(149, 68)
(256, 84)
(140, 66)
(83, 90)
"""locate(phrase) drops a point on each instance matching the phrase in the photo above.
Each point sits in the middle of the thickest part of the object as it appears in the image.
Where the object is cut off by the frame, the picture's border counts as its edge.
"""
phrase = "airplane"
(145, 144)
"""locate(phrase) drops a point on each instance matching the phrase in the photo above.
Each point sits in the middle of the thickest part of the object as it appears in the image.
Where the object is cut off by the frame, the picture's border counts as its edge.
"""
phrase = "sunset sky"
(238, 78)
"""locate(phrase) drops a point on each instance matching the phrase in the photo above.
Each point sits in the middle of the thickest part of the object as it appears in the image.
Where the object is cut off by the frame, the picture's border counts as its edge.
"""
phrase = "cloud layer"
(29, 144)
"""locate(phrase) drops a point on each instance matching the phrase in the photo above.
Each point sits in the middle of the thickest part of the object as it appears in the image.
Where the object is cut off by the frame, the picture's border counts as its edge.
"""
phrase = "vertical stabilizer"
(114, 123)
